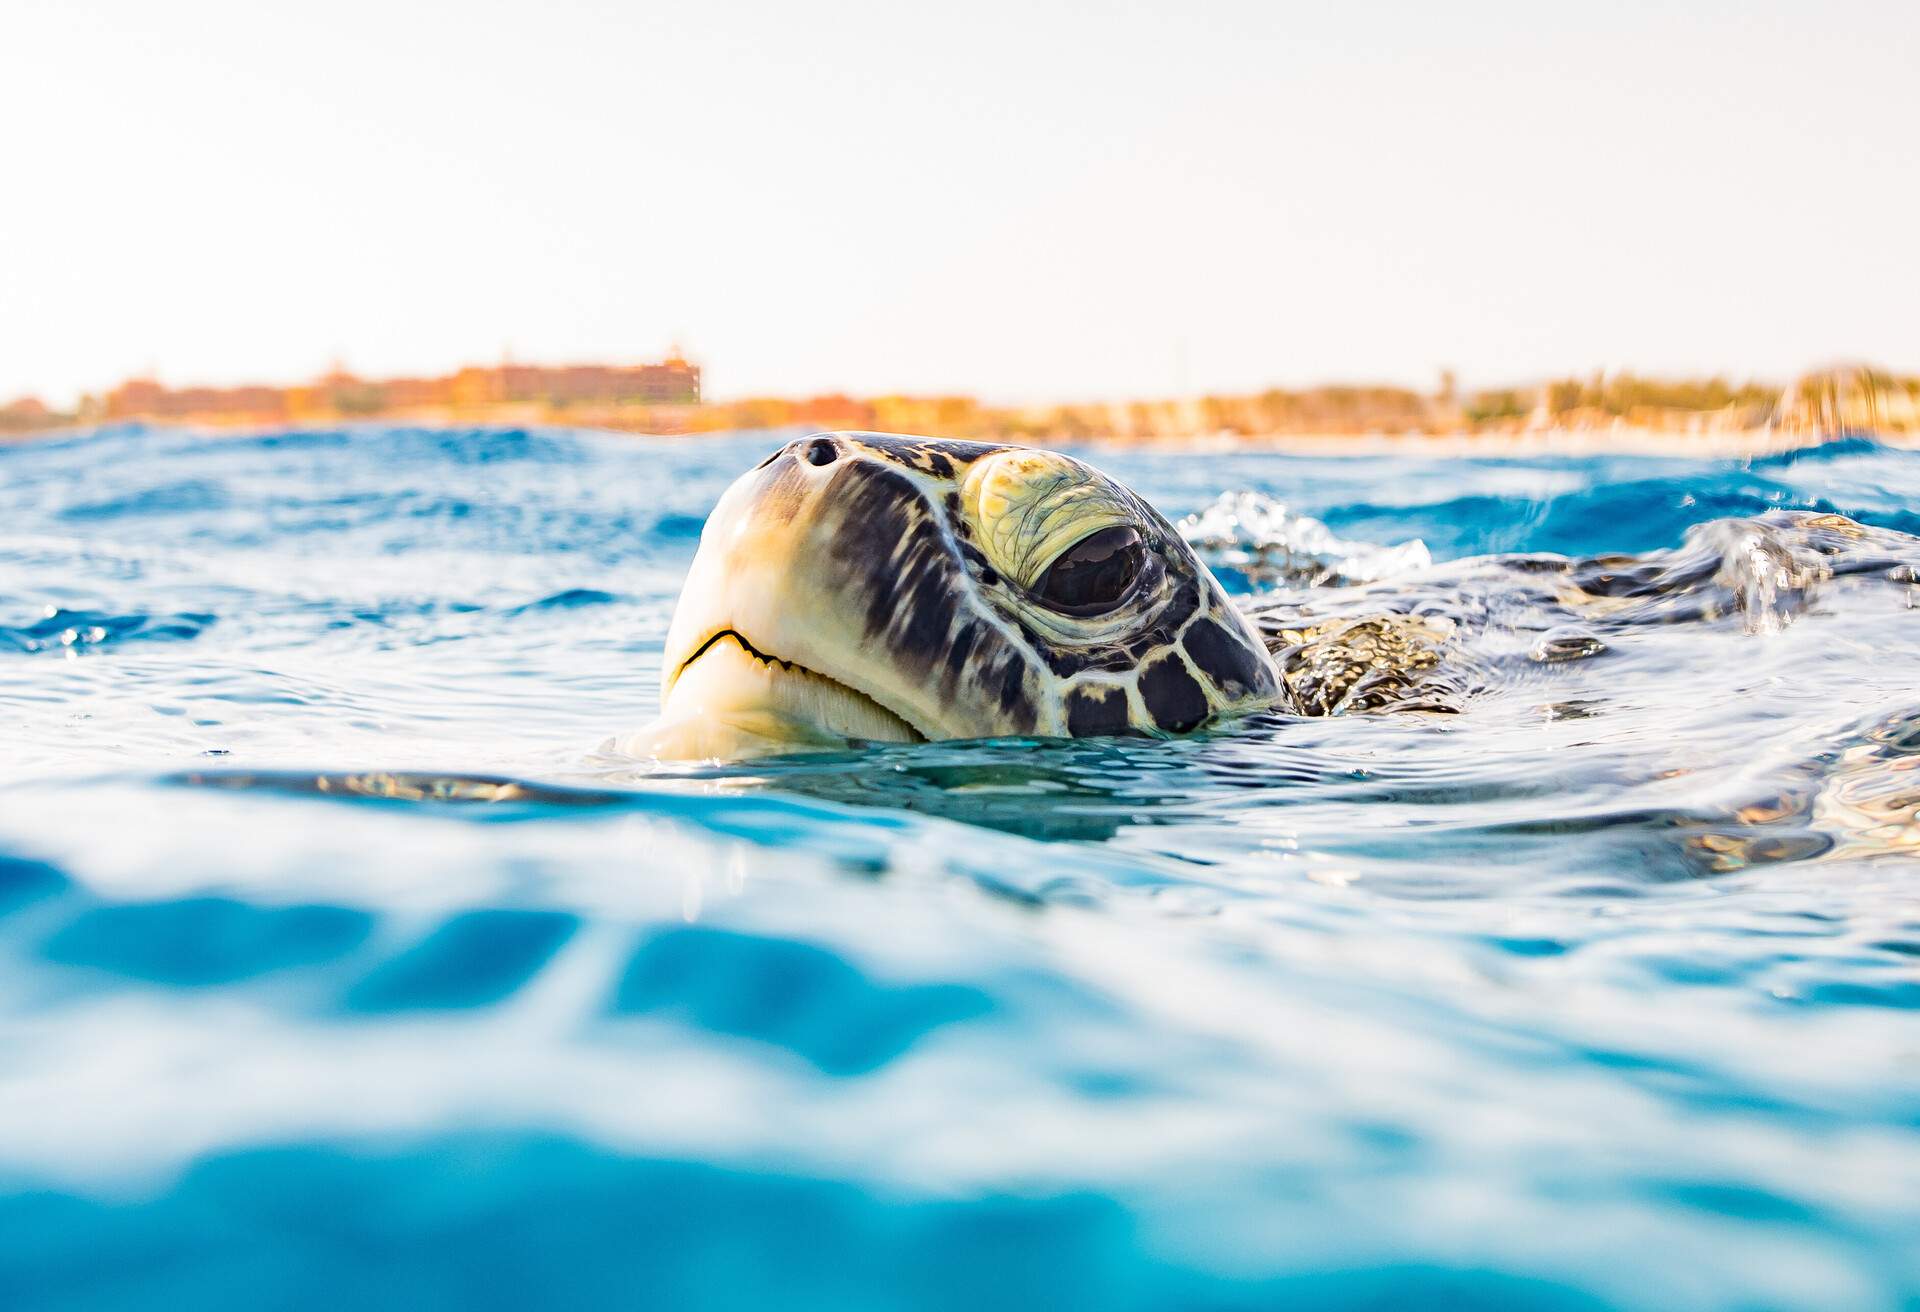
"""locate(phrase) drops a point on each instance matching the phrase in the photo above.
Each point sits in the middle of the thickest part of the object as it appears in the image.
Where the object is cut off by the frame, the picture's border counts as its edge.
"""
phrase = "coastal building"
(526, 389)
(144, 398)
(24, 415)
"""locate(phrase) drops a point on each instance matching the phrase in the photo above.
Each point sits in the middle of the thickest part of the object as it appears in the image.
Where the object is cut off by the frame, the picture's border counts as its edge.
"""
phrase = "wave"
(61, 629)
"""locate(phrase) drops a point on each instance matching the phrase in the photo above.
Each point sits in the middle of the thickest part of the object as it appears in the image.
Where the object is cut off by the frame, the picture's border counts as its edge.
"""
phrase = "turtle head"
(869, 586)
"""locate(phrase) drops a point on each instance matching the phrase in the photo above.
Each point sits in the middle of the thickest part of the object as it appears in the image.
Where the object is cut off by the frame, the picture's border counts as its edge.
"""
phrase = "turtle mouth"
(737, 678)
(739, 639)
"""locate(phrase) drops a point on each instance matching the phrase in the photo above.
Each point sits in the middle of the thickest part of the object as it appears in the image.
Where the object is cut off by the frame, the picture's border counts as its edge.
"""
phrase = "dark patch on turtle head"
(898, 560)
(1173, 698)
(920, 452)
(893, 547)
(1097, 710)
(1226, 660)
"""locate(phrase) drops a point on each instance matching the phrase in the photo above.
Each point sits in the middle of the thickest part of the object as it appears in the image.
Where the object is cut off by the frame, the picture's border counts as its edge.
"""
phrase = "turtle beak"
(762, 654)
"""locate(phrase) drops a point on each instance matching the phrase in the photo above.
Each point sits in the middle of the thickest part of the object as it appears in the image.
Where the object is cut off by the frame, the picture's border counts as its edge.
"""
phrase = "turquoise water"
(343, 968)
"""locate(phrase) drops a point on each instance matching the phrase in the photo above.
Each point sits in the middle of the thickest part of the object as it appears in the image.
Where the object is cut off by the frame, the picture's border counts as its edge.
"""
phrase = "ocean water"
(341, 967)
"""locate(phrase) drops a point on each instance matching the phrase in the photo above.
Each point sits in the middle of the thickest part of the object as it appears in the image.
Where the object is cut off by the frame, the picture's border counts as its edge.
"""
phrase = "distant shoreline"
(1605, 411)
(1544, 442)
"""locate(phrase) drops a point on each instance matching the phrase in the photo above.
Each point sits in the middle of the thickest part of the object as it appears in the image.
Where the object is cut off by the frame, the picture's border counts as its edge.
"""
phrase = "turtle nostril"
(821, 451)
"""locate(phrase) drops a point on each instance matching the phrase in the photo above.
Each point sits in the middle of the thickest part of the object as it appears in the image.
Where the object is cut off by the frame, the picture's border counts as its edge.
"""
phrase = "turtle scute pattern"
(1336, 665)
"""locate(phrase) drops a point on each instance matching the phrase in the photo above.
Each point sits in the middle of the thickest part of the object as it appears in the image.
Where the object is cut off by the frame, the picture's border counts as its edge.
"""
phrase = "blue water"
(340, 966)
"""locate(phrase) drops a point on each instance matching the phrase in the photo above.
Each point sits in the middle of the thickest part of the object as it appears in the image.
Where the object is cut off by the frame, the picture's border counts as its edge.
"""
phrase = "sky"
(1020, 201)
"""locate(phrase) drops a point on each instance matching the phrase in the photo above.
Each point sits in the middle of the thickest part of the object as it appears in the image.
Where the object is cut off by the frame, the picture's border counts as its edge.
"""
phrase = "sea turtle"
(884, 587)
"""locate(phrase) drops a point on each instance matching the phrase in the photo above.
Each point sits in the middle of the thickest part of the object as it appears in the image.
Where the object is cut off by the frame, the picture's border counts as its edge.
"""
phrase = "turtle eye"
(1090, 577)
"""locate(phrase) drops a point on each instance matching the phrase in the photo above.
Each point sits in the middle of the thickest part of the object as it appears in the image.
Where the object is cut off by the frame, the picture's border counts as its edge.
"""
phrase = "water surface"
(343, 968)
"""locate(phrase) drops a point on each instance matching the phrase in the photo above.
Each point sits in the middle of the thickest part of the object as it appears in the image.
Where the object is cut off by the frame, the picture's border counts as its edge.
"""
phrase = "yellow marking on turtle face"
(1029, 506)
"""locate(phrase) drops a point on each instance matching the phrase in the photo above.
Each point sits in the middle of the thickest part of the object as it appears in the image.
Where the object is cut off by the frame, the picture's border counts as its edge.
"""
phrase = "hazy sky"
(1019, 200)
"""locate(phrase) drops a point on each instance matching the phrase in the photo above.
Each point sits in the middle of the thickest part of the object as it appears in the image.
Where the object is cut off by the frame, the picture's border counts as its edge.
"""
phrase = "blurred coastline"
(1603, 411)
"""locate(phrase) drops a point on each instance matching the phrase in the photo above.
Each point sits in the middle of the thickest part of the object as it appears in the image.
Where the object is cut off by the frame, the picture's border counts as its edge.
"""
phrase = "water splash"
(1251, 538)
